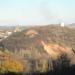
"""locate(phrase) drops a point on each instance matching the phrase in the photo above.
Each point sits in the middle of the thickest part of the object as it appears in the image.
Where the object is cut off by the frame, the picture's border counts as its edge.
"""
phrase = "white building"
(17, 29)
(62, 24)
(8, 33)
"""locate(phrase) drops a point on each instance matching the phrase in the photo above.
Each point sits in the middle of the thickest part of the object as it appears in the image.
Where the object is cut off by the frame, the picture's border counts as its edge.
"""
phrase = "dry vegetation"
(42, 49)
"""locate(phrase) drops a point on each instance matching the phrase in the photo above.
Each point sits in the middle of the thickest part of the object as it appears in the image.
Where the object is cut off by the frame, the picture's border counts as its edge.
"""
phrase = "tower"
(17, 29)
(62, 24)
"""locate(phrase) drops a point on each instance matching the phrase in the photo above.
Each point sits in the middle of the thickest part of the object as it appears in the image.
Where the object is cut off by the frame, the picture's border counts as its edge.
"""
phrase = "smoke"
(48, 12)
(45, 10)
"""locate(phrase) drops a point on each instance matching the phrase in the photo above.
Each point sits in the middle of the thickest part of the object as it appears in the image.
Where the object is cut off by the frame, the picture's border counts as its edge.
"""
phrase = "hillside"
(39, 45)
(30, 39)
(71, 25)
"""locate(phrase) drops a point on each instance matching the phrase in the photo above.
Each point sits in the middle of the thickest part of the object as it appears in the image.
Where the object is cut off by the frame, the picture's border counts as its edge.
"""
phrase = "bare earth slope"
(43, 41)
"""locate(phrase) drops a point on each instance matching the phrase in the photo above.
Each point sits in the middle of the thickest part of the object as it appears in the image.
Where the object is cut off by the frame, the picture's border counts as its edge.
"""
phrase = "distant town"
(4, 33)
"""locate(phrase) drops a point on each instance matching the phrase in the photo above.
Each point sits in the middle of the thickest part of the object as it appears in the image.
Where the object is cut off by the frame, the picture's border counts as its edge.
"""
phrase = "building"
(17, 29)
(62, 24)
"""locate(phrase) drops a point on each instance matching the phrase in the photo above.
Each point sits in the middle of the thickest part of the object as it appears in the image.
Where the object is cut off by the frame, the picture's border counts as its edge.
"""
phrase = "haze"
(36, 12)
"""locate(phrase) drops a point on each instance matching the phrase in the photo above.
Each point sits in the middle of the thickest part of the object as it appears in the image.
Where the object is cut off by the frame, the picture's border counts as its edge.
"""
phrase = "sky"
(36, 12)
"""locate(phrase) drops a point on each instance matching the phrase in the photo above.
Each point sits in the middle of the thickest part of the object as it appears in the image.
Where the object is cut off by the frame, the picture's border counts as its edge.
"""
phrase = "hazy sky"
(36, 12)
